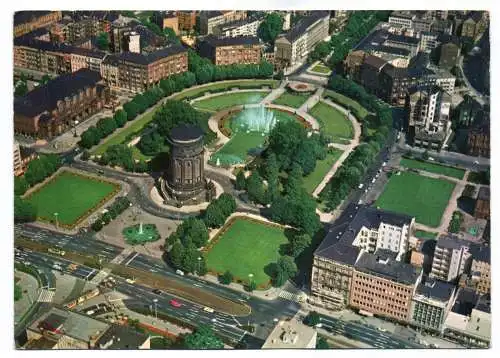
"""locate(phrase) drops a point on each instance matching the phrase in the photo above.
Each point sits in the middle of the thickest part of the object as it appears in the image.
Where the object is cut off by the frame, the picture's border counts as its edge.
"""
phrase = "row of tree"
(352, 171)
(219, 210)
(121, 155)
(38, 170)
(115, 209)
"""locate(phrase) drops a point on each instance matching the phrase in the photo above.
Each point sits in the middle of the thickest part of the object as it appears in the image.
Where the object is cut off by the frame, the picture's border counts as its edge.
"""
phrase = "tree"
(20, 185)
(45, 79)
(202, 269)
(85, 155)
(284, 139)
(151, 143)
(227, 204)
(20, 89)
(132, 109)
(298, 243)
(312, 319)
(24, 211)
(226, 278)
(293, 186)
(214, 217)
(97, 225)
(170, 35)
(197, 231)
(320, 51)
(120, 117)
(322, 343)
(202, 338)
(240, 183)
(252, 286)
(102, 41)
(190, 258)
(270, 28)
(255, 189)
(285, 268)
(176, 254)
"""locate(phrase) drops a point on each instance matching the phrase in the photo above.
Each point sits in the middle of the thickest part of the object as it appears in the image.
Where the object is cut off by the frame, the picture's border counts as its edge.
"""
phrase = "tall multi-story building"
(210, 19)
(474, 25)
(231, 50)
(139, 72)
(451, 258)
(429, 121)
(27, 21)
(431, 303)
(469, 320)
(359, 229)
(401, 19)
(293, 47)
(383, 286)
(53, 108)
(246, 27)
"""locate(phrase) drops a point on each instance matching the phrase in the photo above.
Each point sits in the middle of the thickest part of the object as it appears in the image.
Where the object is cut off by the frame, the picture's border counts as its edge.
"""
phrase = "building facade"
(53, 108)
(231, 50)
(27, 21)
(481, 269)
(210, 19)
(478, 140)
(186, 20)
(81, 58)
(247, 27)
(18, 163)
(482, 207)
(451, 258)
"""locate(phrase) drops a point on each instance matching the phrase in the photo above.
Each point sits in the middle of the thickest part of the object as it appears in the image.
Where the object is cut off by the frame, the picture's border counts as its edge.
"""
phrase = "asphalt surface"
(365, 334)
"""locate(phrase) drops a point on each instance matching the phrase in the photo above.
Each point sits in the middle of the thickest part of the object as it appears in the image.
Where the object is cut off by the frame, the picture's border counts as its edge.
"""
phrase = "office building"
(429, 123)
(431, 303)
(231, 50)
(53, 108)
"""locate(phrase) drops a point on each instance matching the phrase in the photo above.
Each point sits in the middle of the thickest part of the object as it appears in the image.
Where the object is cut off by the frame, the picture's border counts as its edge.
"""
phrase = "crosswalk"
(46, 295)
(101, 275)
(291, 296)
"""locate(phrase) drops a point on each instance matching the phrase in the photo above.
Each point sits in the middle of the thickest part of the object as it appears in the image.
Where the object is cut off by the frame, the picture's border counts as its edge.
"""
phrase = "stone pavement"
(30, 289)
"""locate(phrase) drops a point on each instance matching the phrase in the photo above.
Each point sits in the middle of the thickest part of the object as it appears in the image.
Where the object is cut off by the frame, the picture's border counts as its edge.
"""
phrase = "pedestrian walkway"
(312, 100)
(101, 275)
(46, 295)
(275, 93)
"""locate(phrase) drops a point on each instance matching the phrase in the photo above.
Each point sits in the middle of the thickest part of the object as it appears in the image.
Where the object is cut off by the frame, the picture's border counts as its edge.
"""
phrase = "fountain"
(140, 228)
(256, 119)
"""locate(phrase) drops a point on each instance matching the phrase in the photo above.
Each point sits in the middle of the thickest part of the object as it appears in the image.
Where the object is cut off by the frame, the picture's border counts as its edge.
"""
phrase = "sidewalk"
(29, 287)
(270, 294)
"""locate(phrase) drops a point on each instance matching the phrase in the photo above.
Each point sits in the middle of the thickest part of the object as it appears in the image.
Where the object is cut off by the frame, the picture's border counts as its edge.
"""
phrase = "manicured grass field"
(197, 92)
(423, 197)
(71, 196)
(433, 168)
(425, 234)
(293, 100)
(321, 69)
(332, 121)
(358, 111)
(247, 246)
(322, 167)
(226, 100)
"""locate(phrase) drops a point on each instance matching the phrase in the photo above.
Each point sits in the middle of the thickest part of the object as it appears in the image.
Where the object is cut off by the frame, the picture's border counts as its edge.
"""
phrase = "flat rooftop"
(290, 335)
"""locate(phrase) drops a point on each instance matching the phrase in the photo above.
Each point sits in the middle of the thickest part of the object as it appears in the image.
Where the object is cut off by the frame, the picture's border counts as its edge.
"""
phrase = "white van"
(208, 309)
(179, 272)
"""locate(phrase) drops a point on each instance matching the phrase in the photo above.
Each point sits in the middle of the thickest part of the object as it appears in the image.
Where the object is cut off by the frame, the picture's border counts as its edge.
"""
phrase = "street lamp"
(250, 277)
(156, 310)
(74, 128)
(56, 215)
(199, 264)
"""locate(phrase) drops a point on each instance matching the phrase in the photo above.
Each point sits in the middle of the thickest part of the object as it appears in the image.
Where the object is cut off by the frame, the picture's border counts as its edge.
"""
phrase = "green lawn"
(71, 196)
(433, 168)
(197, 92)
(422, 197)
(137, 125)
(293, 100)
(332, 121)
(425, 234)
(322, 167)
(247, 246)
(226, 100)
(321, 69)
(358, 111)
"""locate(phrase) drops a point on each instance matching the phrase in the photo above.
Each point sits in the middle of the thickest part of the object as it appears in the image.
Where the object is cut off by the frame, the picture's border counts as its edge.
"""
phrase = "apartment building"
(53, 108)
(83, 58)
(231, 50)
(431, 303)
(166, 19)
(469, 320)
(451, 258)
(139, 72)
(359, 229)
(293, 47)
(429, 121)
(210, 19)
(42, 56)
(27, 21)
(401, 19)
(186, 20)
(482, 207)
(480, 269)
(246, 27)
(478, 140)
(474, 25)
(383, 286)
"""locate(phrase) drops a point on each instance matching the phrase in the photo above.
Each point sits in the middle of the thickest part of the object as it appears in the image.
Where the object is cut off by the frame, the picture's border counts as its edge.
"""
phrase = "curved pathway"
(347, 150)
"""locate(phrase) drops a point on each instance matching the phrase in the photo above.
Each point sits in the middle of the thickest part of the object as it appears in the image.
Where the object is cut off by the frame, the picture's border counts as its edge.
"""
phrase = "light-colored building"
(469, 320)
(431, 303)
(247, 27)
(401, 19)
(452, 257)
(211, 19)
(428, 41)
(480, 268)
(133, 41)
(293, 47)
(291, 335)
(83, 58)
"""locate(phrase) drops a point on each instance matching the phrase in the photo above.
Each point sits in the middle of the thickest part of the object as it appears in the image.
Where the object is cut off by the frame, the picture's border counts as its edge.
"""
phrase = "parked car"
(360, 186)
(157, 291)
(208, 309)
(129, 280)
(179, 272)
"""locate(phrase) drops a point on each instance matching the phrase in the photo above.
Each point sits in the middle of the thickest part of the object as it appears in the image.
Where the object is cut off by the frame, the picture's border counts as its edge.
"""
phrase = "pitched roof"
(479, 252)
(151, 57)
(303, 24)
(403, 39)
(121, 337)
(88, 53)
(21, 17)
(452, 242)
(185, 132)
(45, 98)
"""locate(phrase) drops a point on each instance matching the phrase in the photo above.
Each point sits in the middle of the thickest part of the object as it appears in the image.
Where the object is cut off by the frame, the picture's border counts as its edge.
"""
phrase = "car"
(373, 180)
(179, 272)
(360, 186)
(476, 162)
(208, 309)
(431, 159)
(175, 303)
(157, 291)
(129, 280)
(366, 190)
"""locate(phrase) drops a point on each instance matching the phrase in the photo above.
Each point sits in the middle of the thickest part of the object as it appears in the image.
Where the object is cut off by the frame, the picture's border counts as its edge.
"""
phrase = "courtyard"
(246, 246)
(422, 197)
(72, 196)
